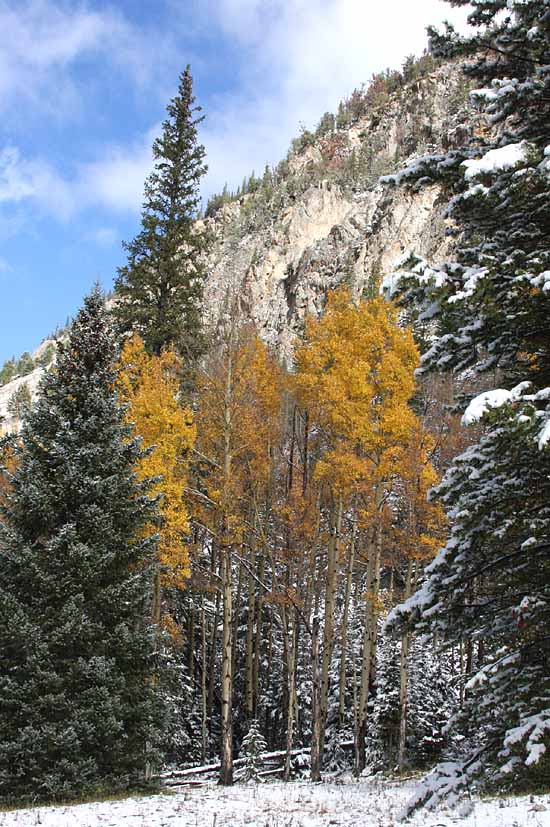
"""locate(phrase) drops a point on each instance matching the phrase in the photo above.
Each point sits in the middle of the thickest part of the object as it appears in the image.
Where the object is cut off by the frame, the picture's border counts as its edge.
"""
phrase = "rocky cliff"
(322, 218)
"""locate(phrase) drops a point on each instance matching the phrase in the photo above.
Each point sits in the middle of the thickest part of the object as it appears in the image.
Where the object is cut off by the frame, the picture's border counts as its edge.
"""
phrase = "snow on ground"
(369, 803)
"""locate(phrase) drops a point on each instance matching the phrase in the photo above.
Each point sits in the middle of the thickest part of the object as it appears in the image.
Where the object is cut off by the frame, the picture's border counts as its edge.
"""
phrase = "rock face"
(322, 218)
(9, 420)
(328, 221)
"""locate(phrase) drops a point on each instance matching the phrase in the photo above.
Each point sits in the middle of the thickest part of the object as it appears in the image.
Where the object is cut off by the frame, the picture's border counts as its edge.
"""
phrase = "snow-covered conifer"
(253, 745)
(489, 586)
(78, 710)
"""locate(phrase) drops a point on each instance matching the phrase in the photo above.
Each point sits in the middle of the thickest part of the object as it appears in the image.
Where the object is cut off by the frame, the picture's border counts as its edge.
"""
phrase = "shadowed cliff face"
(328, 221)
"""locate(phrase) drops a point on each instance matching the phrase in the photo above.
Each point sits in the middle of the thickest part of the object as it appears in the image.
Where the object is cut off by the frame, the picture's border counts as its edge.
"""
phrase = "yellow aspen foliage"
(259, 415)
(422, 524)
(355, 376)
(149, 385)
(239, 401)
(7, 468)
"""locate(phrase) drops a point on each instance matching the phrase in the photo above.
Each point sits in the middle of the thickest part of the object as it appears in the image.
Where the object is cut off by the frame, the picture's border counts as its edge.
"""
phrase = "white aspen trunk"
(328, 630)
(249, 665)
(226, 771)
(291, 670)
(404, 680)
(344, 633)
(316, 705)
(369, 635)
(204, 741)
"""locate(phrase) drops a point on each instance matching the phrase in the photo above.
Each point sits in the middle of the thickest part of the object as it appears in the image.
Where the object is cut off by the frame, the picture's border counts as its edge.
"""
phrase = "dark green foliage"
(490, 586)
(20, 401)
(78, 711)
(215, 202)
(427, 712)
(47, 356)
(16, 367)
(8, 371)
(253, 745)
(305, 139)
(325, 125)
(25, 364)
(250, 184)
(159, 291)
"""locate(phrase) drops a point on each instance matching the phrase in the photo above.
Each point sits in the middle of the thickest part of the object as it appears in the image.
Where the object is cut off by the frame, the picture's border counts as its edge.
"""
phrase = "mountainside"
(322, 218)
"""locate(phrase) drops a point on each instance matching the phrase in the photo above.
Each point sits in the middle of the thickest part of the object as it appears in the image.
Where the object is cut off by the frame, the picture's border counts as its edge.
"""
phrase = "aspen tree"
(239, 396)
(419, 531)
(149, 385)
(354, 375)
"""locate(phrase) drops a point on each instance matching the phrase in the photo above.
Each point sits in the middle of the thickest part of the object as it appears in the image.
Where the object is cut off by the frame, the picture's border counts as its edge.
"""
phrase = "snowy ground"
(366, 803)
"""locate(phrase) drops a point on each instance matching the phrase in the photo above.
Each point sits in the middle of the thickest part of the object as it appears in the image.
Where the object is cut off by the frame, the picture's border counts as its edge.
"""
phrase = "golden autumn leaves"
(149, 386)
(354, 375)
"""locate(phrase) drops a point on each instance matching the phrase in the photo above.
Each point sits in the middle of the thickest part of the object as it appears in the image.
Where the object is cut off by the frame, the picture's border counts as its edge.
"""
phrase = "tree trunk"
(204, 741)
(249, 664)
(258, 642)
(344, 633)
(226, 771)
(290, 647)
(291, 453)
(306, 454)
(191, 640)
(369, 636)
(212, 658)
(404, 680)
(316, 705)
(236, 615)
(330, 596)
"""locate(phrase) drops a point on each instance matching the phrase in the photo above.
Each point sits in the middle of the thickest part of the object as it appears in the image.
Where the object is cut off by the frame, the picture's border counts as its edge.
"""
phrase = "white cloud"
(104, 236)
(302, 58)
(115, 181)
(35, 181)
(42, 40)
(298, 58)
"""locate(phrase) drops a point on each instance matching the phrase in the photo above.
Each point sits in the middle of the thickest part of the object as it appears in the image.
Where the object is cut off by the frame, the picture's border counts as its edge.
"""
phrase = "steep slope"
(322, 218)
(43, 356)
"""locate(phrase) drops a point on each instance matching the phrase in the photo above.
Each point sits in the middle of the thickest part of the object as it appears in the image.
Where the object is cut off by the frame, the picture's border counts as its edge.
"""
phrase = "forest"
(210, 553)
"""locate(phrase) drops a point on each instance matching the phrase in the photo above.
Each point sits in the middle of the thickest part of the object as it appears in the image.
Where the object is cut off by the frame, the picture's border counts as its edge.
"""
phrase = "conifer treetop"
(159, 290)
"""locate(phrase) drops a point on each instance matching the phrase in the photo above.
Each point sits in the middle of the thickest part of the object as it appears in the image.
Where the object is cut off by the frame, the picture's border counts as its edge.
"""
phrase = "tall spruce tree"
(489, 588)
(78, 710)
(160, 288)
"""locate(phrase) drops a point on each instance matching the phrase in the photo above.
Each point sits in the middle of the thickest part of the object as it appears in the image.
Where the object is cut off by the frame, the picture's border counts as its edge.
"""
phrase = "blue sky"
(83, 86)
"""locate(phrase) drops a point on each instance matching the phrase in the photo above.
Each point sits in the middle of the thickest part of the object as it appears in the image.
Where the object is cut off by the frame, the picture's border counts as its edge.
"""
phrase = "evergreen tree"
(253, 745)
(491, 582)
(19, 401)
(78, 711)
(25, 364)
(431, 698)
(159, 290)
